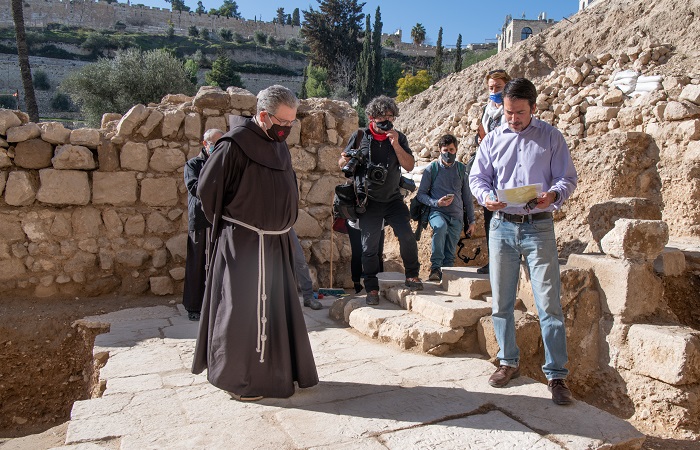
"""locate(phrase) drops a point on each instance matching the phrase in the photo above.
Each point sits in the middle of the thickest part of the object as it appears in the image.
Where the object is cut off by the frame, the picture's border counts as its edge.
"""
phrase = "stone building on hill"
(516, 30)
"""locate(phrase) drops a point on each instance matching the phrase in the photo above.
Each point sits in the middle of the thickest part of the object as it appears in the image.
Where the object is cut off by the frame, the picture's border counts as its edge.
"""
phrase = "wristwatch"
(556, 196)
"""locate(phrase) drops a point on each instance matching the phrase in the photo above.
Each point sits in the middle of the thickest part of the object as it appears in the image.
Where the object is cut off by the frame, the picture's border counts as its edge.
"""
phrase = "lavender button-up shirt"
(508, 159)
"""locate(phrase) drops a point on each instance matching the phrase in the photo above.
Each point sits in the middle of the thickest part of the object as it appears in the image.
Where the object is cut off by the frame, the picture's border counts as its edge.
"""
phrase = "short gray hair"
(380, 106)
(271, 98)
(210, 133)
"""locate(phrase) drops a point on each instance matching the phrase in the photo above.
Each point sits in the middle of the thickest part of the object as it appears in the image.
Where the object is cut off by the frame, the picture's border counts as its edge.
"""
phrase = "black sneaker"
(312, 303)
(483, 270)
(373, 298)
(435, 274)
(414, 284)
(193, 316)
(358, 287)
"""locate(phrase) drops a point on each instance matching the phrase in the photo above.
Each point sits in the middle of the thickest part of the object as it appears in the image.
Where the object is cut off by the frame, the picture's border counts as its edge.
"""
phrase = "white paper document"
(519, 196)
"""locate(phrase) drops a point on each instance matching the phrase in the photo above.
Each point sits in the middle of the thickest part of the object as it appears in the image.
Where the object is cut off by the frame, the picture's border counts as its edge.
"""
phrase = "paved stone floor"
(371, 396)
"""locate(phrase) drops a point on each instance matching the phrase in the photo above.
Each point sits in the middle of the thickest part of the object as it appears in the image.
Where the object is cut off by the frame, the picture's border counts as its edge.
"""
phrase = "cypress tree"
(364, 73)
(303, 93)
(458, 59)
(376, 83)
(437, 62)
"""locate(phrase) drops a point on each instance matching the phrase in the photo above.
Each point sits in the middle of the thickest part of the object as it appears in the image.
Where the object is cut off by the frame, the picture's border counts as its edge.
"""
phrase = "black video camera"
(356, 158)
(376, 174)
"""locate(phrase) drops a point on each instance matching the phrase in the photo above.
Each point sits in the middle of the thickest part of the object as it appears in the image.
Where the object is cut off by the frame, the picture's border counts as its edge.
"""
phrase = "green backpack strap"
(461, 170)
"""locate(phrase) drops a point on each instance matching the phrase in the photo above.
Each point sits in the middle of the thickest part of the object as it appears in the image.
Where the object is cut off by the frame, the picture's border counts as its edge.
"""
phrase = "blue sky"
(475, 20)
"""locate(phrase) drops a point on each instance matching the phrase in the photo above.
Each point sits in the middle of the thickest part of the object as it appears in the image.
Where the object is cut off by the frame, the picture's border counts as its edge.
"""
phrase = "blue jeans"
(446, 232)
(536, 243)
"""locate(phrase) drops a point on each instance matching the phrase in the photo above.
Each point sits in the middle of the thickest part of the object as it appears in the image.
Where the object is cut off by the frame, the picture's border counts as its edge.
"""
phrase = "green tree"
(376, 82)
(411, 85)
(316, 82)
(292, 44)
(295, 17)
(193, 31)
(418, 34)
(205, 33)
(228, 9)
(271, 41)
(333, 32)
(61, 102)
(131, 77)
(391, 72)
(281, 16)
(436, 67)
(200, 8)
(170, 33)
(260, 38)
(178, 5)
(288, 20)
(192, 68)
(226, 34)
(364, 73)
(223, 73)
(41, 80)
(305, 78)
(96, 43)
(458, 55)
(23, 58)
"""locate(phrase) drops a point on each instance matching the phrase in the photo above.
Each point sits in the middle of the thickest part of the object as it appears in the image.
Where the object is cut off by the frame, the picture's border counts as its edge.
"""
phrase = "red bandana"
(375, 135)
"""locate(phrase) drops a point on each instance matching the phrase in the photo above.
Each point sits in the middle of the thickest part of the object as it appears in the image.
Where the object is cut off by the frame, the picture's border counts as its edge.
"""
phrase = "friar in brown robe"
(252, 336)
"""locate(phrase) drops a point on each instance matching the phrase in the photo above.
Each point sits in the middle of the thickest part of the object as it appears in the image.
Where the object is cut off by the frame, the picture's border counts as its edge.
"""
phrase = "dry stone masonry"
(90, 212)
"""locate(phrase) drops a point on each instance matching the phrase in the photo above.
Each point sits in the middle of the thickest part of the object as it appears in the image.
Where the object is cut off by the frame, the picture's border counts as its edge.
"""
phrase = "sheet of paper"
(519, 196)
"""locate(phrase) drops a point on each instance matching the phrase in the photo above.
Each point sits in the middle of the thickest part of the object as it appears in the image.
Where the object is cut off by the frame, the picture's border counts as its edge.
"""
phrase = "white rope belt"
(262, 297)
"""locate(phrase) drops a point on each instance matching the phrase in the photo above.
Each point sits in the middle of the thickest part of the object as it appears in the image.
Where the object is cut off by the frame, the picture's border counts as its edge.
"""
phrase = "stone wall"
(90, 212)
(102, 15)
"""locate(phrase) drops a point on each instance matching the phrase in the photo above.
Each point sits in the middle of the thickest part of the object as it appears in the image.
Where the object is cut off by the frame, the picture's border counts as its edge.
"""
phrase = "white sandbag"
(625, 88)
(626, 74)
(650, 79)
(648, 87)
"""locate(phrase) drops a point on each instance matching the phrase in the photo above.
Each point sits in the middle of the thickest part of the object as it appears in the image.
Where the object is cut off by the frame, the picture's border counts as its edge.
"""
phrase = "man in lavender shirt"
(522, 152)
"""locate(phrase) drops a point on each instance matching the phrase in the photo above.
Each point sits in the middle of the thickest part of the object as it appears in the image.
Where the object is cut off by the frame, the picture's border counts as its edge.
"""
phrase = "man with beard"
(252, 336)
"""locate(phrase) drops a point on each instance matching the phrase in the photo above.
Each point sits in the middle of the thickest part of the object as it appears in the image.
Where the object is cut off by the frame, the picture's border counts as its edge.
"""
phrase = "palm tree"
(23, 57)
(418, 34)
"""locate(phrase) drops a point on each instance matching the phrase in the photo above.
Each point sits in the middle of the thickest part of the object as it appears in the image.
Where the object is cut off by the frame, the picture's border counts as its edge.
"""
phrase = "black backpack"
(345, 202)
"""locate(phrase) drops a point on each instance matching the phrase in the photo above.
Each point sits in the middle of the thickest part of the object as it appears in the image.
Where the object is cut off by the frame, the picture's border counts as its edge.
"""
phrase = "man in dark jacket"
(197, 229)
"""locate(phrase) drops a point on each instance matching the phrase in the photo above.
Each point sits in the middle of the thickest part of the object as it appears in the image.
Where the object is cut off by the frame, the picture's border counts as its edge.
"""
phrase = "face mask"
(448, 157)
(385, 125)
(278, 132)
(210, 148)
(497, 97)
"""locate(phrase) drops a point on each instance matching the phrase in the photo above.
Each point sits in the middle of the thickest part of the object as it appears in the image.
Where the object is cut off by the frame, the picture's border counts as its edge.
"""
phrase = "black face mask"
(279, 133)
(385, 125)
(448, 157)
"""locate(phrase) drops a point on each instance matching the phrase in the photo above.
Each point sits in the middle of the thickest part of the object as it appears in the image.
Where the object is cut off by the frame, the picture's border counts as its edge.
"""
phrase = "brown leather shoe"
(503, 375)
(561, 394)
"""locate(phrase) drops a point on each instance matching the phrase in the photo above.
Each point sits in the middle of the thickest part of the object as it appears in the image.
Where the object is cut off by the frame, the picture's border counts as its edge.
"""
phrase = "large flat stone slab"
(450, 310)
(466, 282)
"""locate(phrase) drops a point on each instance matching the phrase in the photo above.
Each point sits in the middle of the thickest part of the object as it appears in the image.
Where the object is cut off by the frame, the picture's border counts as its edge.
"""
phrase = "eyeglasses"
(497, 71)
(285, 123)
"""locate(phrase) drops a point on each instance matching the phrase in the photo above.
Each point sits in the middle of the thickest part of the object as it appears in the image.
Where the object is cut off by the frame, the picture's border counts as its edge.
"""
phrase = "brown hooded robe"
(250, 178)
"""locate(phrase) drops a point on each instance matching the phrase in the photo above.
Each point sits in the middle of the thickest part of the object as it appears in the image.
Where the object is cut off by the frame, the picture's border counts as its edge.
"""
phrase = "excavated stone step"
(466, 282)
(387, 322)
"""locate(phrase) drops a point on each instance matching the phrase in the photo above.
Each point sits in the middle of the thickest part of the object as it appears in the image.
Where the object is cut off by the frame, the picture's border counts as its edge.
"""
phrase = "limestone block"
(302, 161)
(307, 226)
(212, 97)
(8, 119)
(629, 290)
(527, 337)
(600, 114)
(328, 158)
(88, 137)
(106, 259)
(109, 117)
(688, 130)
(691, 93)
(161, 285)
(86, 222)
(33, 154)
(294, 137)
(112, 221)
(572, 114)
(409, 331)
(242, 99)
(449, 310)
(172, 122)
(613, 97)
(636, 239)
(20, 189)
(313, 130)
(160, 258)
(135, 225)
(176, 99)
(114, 188)
(132, 257)
(54, 133)
(629, 117)
(5, 160)
(673, 111)
(134, 156)
(107, 156)
(11, 269)
(159, 192)
(574, 75)
(602, 216)
(466, 282)
(154, 119)
(167, 159)
(81, 262)
(193, 127)
(178, 273)
(367, 320)
(670, 263)
(158, 224)
(11, 229)
(3, 180)
(323, 189)
(177, 246)
(73, 157)
(130, 120)
(667, 353)
(324, 250)
(216, 122)
(63, 187)
(330, 120)
(332, 136)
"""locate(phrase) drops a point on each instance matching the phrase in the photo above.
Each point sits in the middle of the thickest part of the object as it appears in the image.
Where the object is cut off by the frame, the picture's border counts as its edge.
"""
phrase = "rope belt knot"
(262, 296)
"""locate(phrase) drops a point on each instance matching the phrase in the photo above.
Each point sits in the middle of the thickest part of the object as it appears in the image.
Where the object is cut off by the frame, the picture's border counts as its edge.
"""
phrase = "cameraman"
(377, 173)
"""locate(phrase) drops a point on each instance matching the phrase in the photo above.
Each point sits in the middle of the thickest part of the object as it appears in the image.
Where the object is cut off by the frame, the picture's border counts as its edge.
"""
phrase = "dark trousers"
(195, 270)
(395, 214)
(355, 237)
